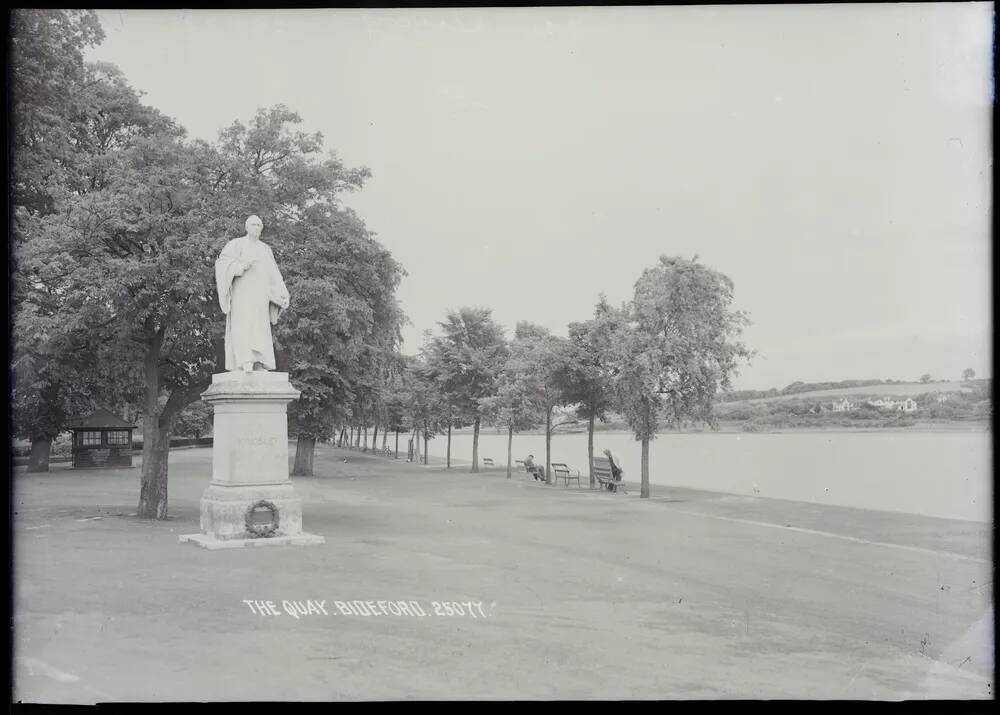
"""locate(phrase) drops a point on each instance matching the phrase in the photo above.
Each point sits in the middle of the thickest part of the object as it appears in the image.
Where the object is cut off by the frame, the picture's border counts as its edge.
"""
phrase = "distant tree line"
(659, 360)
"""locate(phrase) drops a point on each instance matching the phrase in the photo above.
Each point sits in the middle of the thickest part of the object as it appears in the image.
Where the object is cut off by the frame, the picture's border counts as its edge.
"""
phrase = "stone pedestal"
(250, 465)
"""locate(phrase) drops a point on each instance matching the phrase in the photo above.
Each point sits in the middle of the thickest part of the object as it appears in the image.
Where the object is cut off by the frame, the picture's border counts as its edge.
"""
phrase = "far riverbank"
(737, 428)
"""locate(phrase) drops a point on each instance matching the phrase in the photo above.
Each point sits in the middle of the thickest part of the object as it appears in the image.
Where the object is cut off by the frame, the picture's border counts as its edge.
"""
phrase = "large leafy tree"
(195, 420)
(69, 121)
(515, 405)
(538, 353)
(395, 398)
(117, 224)
(344, 318)
(342, 328)
(438, 370)
(682, 347)
(140, 254)
(52, 380)
(136, 279)
(584, 375)
(47, 99)
(467, 358)
(426, 406)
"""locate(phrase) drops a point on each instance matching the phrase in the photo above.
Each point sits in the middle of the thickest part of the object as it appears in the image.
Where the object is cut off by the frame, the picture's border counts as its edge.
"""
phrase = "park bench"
(519, 466)
(487, 462)
(602, 473)
(562, 471)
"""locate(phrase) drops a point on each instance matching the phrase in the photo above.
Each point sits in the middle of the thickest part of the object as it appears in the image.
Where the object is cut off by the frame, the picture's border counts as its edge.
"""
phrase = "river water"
(944, 474)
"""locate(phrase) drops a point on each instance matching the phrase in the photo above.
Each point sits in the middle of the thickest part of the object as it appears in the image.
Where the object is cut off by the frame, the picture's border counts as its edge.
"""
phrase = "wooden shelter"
(101, 439)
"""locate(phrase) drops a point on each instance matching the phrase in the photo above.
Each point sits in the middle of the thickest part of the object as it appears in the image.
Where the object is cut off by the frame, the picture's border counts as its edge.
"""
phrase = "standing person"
(616, 466)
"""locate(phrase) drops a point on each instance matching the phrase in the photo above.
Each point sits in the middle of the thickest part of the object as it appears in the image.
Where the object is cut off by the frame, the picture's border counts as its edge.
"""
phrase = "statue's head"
(254, 226)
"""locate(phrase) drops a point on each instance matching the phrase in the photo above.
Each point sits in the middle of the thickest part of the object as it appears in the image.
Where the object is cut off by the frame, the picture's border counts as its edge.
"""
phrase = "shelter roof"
(100, 418)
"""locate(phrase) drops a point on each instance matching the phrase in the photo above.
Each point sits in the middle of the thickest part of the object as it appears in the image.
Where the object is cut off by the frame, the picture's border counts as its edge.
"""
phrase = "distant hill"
(934, 403)
(969, 403)
(894, 389)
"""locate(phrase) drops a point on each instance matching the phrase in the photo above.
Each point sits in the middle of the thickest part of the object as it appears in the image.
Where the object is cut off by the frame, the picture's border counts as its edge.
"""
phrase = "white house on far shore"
(843, 405)
(887, 403)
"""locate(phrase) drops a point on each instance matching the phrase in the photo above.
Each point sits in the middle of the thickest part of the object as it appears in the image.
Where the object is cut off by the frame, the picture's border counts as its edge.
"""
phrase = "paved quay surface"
(689, 594)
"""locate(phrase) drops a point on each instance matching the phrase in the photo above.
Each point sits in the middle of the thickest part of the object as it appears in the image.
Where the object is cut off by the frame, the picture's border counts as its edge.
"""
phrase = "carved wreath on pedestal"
(258, 530)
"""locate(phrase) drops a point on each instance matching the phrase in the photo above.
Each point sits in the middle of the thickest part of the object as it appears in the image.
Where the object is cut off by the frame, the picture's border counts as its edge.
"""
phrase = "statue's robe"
(252, 299)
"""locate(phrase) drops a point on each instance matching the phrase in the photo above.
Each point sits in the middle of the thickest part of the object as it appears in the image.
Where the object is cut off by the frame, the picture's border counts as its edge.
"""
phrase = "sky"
(833, 160)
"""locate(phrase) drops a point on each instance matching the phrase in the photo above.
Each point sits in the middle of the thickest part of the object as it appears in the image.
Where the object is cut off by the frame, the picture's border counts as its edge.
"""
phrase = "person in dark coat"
(534, 469)
(616, 466)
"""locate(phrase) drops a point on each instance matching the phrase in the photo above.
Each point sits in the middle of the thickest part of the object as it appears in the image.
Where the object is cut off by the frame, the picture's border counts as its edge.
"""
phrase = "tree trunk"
(375, 437)
(548, 445)
(41, 448)
(156, 429)
(416, 446)
(305, 448)
(397, 444)
(357, 442)
(385, 436)
(590, 450)
(510, 445)
(350, 438)
(425, 446)
(644, 490)
(475, 446)
(155, 453)
(365, 447)
(449, 446)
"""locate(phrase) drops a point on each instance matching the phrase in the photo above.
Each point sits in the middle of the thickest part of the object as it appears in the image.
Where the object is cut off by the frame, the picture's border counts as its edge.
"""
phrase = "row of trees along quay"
(118, 218)
(659, 360)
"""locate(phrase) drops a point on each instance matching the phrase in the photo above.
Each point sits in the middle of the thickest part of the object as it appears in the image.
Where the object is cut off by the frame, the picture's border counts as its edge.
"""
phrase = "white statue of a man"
(252, 294)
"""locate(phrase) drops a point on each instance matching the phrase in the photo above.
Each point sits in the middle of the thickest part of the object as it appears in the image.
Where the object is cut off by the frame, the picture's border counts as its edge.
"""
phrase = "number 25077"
(454, 608)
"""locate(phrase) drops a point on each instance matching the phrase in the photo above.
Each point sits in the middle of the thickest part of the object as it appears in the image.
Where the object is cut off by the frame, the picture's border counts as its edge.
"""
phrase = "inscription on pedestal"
(264, 441)
(250, 500)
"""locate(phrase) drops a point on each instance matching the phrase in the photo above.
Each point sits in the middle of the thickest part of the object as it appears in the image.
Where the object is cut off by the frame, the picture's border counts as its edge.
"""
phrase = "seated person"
(534, 469)
(616, 466)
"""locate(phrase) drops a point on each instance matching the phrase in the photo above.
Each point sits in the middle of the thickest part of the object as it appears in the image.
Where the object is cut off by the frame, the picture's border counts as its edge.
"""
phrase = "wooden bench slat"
(602, 473)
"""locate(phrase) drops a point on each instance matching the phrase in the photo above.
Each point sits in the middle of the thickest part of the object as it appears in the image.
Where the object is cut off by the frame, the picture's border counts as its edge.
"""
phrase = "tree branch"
(181, 398)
